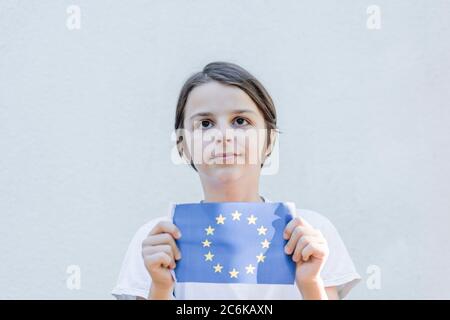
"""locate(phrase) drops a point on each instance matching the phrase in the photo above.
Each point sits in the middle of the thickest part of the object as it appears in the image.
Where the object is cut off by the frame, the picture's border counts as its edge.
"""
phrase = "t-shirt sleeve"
(134, 280)
(339, 269)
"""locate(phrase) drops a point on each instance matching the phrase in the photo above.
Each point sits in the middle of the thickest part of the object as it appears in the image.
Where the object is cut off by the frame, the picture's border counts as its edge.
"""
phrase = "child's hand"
(309, 250)
(160, 252)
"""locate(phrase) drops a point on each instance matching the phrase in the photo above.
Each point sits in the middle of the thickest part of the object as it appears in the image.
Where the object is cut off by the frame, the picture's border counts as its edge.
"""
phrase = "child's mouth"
(226, 156)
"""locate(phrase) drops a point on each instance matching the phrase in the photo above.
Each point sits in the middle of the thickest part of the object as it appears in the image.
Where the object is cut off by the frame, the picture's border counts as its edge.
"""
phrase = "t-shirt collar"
(264, 199)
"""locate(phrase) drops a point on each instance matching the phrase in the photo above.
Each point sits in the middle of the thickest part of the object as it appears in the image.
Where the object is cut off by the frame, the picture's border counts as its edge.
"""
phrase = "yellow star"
(206, 243)
(220, 219)
(250, 268)
(236, 215)
(209, 230)
(218, 268)
(262, 230)
(265, 244)
(260, 257)
(233, 273)
(252, 219)
(208, 256)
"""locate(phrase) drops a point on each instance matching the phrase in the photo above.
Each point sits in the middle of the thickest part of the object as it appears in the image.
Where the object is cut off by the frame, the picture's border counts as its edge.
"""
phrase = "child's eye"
(241, 121)
(205, 124)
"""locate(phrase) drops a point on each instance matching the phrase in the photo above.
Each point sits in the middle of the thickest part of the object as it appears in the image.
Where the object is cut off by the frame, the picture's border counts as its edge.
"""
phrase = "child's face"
(227, 132)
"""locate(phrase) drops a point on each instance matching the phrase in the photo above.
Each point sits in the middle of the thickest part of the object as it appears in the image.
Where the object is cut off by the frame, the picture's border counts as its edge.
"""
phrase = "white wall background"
(86, 117)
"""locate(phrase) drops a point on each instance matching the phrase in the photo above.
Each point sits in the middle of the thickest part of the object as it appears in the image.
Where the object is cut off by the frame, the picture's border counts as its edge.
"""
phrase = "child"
(220, 99)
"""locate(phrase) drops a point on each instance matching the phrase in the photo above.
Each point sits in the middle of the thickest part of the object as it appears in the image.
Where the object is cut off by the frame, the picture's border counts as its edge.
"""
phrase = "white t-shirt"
(339, 270)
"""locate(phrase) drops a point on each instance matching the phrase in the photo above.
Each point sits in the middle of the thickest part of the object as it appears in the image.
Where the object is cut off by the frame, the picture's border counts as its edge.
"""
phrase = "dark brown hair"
(234, 75)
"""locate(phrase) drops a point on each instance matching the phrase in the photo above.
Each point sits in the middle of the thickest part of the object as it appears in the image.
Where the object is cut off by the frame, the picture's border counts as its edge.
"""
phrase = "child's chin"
(226, 173)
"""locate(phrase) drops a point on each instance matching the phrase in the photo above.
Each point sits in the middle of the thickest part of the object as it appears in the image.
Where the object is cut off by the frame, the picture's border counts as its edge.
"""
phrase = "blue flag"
(233, 242)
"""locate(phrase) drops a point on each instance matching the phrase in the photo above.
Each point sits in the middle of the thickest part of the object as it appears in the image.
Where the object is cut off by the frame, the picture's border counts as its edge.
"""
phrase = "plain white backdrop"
(86, 117)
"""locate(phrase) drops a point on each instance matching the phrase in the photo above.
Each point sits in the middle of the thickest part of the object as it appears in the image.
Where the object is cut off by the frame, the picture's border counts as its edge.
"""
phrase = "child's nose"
(225, 133)
(224, 136)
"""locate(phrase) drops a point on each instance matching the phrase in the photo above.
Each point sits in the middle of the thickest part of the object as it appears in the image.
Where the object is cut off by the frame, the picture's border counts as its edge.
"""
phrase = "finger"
(295, 236)
(313, 249)
(295, 222)
(148, 251)
(301, 244)
(158, 260)
(163, 238)
(166, 227)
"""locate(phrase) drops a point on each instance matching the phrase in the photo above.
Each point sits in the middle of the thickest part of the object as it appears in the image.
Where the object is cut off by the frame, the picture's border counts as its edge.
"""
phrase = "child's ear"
(181, 146)
(273, 137)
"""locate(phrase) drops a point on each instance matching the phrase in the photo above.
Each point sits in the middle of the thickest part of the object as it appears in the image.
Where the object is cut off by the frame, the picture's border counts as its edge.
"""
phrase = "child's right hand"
(160, 252)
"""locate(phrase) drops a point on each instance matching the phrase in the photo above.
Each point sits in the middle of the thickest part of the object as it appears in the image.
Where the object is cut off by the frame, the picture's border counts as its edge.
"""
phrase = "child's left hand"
(309, 250)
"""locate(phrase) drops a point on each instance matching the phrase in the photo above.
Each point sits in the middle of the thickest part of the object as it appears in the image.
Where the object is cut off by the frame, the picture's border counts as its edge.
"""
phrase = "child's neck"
(233, 199)
(231, 193)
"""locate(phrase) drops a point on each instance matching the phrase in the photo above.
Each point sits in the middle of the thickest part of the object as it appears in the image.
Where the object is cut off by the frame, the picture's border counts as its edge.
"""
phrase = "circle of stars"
(235, 216)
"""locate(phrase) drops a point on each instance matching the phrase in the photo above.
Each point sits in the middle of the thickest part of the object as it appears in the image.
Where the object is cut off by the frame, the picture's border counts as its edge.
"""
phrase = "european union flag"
(233, 242)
